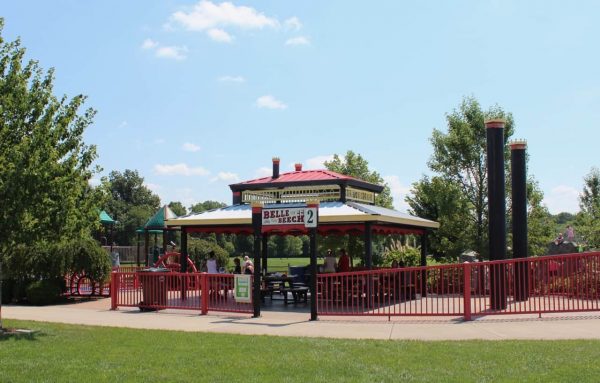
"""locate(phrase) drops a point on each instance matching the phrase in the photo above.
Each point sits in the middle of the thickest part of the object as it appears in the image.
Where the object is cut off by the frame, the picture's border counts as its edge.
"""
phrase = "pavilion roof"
(329, 213)
(305, 177)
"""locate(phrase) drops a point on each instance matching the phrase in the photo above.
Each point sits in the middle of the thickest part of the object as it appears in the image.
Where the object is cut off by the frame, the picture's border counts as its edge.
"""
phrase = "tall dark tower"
(518, 172)
(497, 211)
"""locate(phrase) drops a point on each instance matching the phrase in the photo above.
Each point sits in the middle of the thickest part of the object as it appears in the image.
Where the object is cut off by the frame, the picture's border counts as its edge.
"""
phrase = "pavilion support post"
(265, 253)
(257, 228)
(146, 246)
(183, 259)
(518, 164)
(312, 235)
(369, 245)
(497, 212)
(369, 261)
(137, 258)
(424, 250)
(164, 240)
(183, 255)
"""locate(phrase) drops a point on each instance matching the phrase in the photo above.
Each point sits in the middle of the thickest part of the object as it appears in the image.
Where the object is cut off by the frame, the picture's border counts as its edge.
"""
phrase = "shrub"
(87, 256)
(198, 250)
(44, 292)
(408, 256)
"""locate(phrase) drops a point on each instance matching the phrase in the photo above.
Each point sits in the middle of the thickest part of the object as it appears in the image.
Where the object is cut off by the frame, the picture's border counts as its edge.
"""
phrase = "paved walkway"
(97, 313)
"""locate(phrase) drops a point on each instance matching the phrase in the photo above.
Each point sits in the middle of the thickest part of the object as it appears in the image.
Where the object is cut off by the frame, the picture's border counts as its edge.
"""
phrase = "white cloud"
(159, 141)
(219, 35)
(317, 162)
(180, 169)
(238, 79)
(227, 177)
(562, 198)
(190, 147)
(207, 15)
(94, 181)
(149, 44)
(172, 52)
(399, 192)
(270, 102)
(293, 23)
(153, 187)
(263, 172)
(300, 40)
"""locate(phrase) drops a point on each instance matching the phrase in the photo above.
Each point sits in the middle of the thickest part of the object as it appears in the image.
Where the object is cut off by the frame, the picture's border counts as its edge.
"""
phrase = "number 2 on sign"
(310, 219)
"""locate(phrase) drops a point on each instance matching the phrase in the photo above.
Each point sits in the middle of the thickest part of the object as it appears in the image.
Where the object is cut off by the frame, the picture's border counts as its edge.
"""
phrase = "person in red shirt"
(344, 261)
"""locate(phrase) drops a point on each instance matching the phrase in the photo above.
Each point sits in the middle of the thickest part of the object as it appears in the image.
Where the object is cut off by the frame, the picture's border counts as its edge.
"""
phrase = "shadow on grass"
(20, 334)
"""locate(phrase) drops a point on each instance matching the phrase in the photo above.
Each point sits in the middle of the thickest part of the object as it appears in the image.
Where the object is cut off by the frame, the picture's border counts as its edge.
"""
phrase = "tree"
(45, 166)
(588, 219)
(441, 200)
(206, 205)
(130, 202)
(356, 166)
(459, 158)
(178, 208)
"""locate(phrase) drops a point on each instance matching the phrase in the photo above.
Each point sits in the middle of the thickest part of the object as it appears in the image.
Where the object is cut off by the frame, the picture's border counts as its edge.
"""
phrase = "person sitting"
(247, 262)
(344, 263)
(329, 265)
(211, 264)
(237, 266)
(560, 239)
(249, 269)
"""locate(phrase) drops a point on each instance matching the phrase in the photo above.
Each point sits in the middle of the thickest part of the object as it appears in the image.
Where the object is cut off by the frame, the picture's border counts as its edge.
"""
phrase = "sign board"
(242, 292)
(290, 216)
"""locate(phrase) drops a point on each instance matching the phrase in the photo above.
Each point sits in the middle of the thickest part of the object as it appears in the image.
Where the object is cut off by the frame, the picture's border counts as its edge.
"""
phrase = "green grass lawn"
(68, 353)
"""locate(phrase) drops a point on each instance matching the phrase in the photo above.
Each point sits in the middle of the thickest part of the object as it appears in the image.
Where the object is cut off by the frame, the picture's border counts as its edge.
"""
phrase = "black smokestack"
(275, 167)
(518, 170)
(497, 211)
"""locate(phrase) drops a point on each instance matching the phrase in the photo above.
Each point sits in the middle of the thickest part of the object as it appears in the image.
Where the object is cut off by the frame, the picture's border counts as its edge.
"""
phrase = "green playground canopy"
(157, 221)
(106, 219)
(141, 231)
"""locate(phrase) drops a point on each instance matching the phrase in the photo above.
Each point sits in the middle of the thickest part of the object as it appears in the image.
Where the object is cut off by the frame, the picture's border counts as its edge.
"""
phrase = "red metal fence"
(564, 283)
(174, 290)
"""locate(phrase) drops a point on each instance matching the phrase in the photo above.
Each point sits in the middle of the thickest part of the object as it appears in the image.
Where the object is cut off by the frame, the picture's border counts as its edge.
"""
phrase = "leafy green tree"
(130, 202)
(459, 158)
(45, 166)
(45, 169)
(178, 208)
(588, 219)
(442, 200)
(206, 205)
(356, 166)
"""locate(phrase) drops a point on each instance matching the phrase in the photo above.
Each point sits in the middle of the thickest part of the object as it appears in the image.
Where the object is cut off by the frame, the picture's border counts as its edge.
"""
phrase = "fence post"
(204, 293)
(114, 290)
(467, 291)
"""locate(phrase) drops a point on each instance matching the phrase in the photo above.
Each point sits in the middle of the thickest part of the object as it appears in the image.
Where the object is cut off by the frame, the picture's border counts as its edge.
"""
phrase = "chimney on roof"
(298, 167)
(275, 167)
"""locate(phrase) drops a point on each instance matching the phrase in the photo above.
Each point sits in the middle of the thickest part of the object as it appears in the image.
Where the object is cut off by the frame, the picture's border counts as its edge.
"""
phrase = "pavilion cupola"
(304, 185)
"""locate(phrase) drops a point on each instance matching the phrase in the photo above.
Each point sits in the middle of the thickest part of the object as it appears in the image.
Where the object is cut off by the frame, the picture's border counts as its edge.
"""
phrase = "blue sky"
(198, 95)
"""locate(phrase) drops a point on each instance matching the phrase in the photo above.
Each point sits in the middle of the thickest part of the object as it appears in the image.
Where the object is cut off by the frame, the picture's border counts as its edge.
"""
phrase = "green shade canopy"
(158, 220)
(141, 231)
(105, 219)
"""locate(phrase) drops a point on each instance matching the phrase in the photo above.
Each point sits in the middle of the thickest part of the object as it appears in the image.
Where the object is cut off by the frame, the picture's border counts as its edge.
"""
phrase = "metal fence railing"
(562, 283)
(173, 290)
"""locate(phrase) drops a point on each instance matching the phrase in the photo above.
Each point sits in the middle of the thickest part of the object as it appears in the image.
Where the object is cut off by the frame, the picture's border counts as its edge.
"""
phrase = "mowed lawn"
(68, 353)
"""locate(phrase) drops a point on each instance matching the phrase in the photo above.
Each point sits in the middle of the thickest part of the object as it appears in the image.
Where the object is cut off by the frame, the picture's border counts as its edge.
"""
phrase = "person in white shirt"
(329, 265)
(211, 264)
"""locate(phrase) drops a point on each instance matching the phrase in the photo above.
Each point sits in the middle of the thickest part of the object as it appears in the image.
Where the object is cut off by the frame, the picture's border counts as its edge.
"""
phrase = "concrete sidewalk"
(97, 313)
